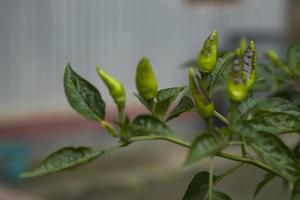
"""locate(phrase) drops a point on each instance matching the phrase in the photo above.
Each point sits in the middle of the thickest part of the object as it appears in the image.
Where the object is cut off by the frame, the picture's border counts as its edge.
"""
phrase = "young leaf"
(218, 70)
(149, 125)
(273, 152)
(64, 159)
(267, 179)
(198, 187)
(165, 98)
(296, 190)
(205, 145)
(185, 104)
(83, 96)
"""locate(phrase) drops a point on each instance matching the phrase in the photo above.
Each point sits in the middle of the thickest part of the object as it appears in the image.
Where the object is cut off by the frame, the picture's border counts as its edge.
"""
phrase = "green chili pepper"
(207, 57)
(145, 79)
(249, 65)
(236, 86)
(203, 104)
(115, 88)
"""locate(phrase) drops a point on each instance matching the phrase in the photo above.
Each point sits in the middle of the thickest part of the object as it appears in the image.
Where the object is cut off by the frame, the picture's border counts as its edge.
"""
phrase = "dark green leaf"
(275, 123)
(165, 98)
(294, 57)
(273, 152)
(219, 68)
(267, 179)
(272, 115)
(64, 159)
(146, 103)
(205, 145)
(149, 125)
(220, 196)
(83, 96)
(185, 104)
(296, 190)
(198, 187)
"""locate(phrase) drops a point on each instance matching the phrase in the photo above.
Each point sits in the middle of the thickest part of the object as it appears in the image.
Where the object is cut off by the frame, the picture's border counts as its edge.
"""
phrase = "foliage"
(255, 124)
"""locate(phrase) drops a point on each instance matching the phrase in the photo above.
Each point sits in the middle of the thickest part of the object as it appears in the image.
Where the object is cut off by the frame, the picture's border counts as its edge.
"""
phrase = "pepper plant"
(254, 124)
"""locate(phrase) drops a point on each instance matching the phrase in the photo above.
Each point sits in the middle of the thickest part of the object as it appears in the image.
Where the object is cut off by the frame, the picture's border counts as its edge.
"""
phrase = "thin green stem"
(211, 181)
(221, 117)
(244, 147)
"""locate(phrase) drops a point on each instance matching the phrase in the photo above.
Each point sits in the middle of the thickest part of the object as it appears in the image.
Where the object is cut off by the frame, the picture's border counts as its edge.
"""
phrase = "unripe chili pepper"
(115, 88)
(249, 65)
(145, 79)
(207, 57)
(203, 104)
(236, 86)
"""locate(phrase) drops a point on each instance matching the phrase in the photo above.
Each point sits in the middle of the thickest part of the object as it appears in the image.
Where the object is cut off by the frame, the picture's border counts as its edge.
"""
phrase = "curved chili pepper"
(207, 57)
(115, 88)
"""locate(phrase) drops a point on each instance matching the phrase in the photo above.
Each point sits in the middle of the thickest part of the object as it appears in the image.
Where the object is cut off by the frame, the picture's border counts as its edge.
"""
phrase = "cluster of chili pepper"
(240, 80)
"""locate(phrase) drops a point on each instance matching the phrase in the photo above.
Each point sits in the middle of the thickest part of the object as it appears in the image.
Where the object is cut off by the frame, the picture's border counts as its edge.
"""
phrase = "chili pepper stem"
(121, 115)
(104, 124)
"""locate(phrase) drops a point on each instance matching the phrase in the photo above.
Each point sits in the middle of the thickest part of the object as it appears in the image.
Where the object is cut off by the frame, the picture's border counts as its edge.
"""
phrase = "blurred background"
(38, 38)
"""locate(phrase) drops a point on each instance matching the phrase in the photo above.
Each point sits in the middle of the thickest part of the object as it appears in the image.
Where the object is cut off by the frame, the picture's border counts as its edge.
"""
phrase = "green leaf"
(146, 103)
(272, 115)
(198, 187)
(296, 191)
(219, 69)
(64, 159)
(149, 125)
(165, 98)
(275, 123)
(205, 145)
(185, 104)
(83, 96)
(272, 151)
(267, 179)
(293, 57)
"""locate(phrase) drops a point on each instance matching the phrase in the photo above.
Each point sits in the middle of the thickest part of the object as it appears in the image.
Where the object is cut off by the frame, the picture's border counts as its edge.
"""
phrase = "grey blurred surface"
(38, 38)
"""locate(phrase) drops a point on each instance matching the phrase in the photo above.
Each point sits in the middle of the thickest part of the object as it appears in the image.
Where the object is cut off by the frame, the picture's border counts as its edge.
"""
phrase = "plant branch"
(220, 154)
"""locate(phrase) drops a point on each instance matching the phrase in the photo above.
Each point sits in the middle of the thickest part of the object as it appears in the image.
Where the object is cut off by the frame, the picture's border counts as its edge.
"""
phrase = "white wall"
(38, 37)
